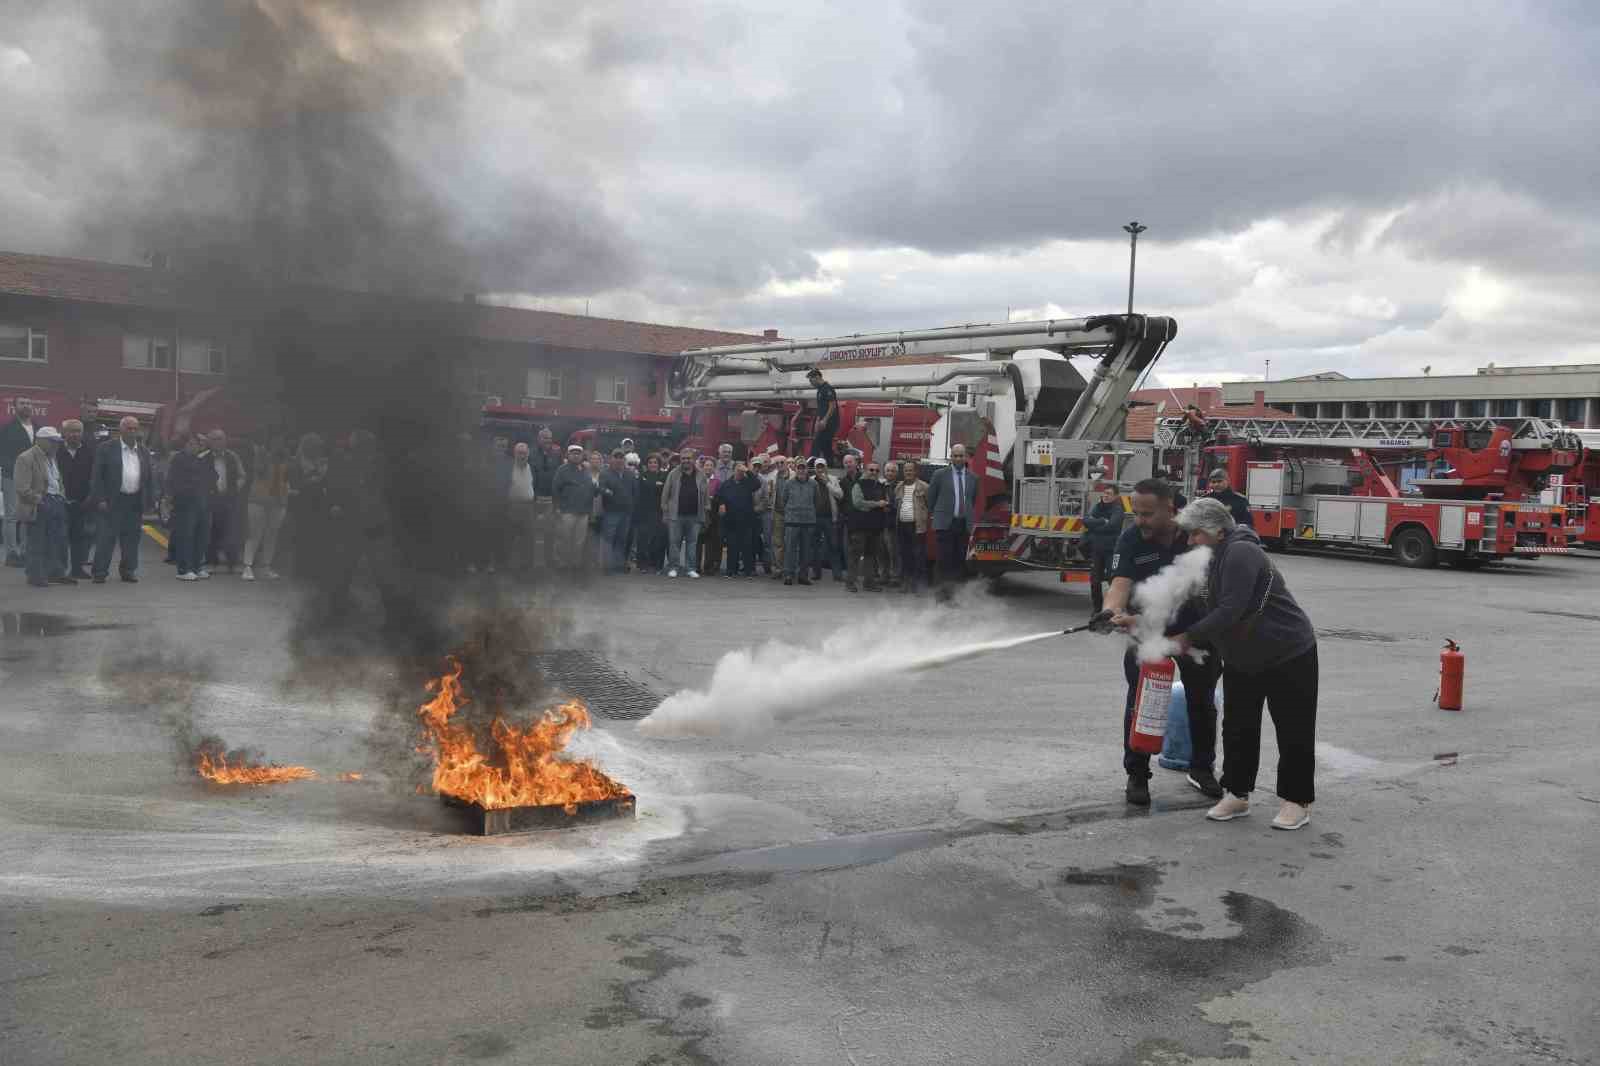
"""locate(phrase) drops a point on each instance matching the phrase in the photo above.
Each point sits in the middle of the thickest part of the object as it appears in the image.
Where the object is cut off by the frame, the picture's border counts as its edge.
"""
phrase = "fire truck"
(1579, 490)
(1040, 434)
(1480, 494)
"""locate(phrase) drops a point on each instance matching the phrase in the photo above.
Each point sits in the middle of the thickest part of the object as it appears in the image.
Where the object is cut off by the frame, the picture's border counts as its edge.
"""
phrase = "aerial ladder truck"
(1040, 434)
(1487, 489)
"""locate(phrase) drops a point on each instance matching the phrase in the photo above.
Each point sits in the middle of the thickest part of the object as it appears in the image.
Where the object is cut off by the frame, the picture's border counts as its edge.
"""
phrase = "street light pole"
(1133, 230)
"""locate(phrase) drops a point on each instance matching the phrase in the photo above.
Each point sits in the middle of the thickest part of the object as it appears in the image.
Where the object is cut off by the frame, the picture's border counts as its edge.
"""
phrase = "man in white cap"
(42, 509)
(574, 494)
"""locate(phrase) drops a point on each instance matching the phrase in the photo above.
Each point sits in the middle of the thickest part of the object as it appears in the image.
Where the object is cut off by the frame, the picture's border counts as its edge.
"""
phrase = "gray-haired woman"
(1269, 655)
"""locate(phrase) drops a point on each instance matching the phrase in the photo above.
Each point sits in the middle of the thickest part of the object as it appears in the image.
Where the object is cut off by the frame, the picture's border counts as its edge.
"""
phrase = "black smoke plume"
(300, 169)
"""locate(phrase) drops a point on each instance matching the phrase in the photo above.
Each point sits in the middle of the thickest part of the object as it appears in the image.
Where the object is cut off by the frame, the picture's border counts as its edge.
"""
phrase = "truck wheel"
(1414, 548)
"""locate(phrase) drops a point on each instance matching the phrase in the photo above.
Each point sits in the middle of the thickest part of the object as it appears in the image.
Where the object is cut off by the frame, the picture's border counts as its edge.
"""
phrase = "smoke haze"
(1159, 599)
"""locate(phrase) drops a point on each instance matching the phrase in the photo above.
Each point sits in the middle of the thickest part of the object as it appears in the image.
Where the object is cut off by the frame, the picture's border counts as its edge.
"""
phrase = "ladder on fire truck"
(1527, 434)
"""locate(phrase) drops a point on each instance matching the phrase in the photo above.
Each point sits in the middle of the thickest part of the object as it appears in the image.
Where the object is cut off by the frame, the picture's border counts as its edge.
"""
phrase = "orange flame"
(350, 775)
(224, 768)
(527, 766)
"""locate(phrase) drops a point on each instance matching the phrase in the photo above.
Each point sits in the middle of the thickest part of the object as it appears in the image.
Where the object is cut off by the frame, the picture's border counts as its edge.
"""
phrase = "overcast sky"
(1369, 188)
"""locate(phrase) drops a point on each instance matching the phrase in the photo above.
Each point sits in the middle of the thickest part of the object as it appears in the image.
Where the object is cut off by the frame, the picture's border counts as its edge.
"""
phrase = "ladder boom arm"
(1136, 343)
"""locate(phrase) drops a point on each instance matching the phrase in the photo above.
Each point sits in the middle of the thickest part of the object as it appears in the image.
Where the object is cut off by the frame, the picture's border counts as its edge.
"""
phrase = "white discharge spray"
(1158, 599)
(752, 689)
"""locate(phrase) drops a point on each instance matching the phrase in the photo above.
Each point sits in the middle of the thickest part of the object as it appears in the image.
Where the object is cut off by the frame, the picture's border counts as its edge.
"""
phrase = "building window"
(1540, 408)
(141, 351)
(1415, 409)
(1355, 409)
(202, 355)
(25, 343)
(1306, 410)
(611, 388)
(1383, 410)
(1571, 412)
(1473, 408)
(1505, 408)
(544, 384)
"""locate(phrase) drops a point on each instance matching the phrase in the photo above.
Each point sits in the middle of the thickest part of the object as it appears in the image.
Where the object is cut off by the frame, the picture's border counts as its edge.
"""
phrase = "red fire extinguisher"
(1152, 697)
(1452, 673)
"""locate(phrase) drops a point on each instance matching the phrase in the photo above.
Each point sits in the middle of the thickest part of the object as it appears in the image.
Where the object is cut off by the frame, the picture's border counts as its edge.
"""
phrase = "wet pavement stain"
(1364, 635)
(42, 624)
(654, 963)
(1563, 614)
(1154, 979)
(865, 849)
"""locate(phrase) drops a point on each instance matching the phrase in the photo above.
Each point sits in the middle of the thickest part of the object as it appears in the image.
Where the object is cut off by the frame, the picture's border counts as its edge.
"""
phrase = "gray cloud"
(696, 160)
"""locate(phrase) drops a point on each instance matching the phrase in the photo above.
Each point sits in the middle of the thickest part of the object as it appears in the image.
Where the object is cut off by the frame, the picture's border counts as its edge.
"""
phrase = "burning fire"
(350, 775)
(236, 768)
(526, 766)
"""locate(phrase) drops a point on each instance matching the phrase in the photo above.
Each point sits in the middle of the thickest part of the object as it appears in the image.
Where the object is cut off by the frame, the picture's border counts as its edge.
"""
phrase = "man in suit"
(75, 459)
(952, 495)
(15, 438)
(42, 510)
(121, 491)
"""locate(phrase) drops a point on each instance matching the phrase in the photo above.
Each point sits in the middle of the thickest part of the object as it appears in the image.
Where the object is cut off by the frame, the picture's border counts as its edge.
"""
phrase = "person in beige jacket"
(910, 513)
(42, 509)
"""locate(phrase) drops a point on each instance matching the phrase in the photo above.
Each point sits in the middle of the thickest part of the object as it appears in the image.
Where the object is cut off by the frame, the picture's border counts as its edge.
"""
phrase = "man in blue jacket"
(1104, 523)
(618, 489)
(736, 505)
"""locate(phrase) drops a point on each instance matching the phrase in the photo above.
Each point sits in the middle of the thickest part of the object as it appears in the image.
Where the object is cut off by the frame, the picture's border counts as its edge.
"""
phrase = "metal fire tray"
(482, 821)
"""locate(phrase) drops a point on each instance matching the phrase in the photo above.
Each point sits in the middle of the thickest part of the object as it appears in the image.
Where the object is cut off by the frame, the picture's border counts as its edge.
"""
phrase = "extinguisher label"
(1155, 696)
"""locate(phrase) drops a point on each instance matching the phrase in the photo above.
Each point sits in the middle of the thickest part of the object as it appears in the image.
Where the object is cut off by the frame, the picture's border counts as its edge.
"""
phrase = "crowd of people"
(680, 514)
(74, 505)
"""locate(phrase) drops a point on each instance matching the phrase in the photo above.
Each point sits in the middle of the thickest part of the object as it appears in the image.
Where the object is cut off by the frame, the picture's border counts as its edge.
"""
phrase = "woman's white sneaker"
(1291, 816)
(1228, 808)
(247, 574)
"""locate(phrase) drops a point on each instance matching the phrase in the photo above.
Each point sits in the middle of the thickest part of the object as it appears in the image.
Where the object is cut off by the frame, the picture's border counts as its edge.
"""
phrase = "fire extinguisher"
(1152, 697)
(1452, 673)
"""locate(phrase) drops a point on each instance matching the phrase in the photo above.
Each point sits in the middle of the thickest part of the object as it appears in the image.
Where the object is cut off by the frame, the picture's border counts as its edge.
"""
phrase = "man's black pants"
(953, 550)
(220, 543)
(738, 533)
(119, 527)
(822, 443)
(1099, 564)
(913, 553)
(78, 534)
(1289, 691)
(1200, 691)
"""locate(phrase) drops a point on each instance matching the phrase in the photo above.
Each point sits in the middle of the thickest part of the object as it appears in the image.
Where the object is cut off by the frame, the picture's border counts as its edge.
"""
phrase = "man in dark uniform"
(827, 416)
(1222, 492)
(1151, 542)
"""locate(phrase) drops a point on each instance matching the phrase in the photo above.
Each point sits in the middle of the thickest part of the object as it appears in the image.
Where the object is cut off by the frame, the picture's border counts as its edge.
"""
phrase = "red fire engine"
(1040, 435)
(1336, 483)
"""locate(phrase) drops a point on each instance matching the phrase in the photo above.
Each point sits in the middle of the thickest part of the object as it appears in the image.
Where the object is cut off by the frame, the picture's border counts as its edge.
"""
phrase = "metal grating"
(590, 677)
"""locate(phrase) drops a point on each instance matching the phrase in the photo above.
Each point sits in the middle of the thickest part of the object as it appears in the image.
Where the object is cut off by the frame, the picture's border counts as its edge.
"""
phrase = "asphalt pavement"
(930, 868)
